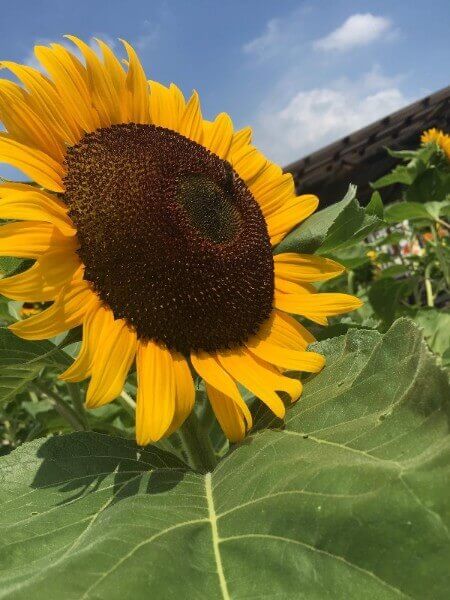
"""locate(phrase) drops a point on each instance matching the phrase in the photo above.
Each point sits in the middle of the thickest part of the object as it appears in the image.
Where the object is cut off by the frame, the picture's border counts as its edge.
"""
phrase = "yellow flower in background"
(439, 137)
(153, 228)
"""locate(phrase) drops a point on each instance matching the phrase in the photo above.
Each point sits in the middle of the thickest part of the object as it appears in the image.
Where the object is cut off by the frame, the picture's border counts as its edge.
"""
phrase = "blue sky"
(301, 73)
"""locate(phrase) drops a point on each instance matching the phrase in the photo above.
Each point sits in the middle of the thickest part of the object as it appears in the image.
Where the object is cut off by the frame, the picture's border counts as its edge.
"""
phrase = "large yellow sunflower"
(153, 228)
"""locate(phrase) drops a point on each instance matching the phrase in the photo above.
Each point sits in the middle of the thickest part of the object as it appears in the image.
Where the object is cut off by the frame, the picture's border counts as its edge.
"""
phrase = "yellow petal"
(66, 312)
(241, 138)
(44, 280)
(155, 407)
(137, 88)
(316, 306)
(260, 378)
(295, 360)
(40, 167)
(228, 414)
(191, 123)
(272, 189)
(178, 101)
(163, 107)
(25, 126)
(305, 267)
(289, 215)
(184, 392)
(220, 136)
(69, 78)
(248, 162)
(27, 239)
(92, 327)
(208, 367)
(118, 78)
(35, 206)
(46, 101)
(284, 331)
(103, 92)
(116, 348)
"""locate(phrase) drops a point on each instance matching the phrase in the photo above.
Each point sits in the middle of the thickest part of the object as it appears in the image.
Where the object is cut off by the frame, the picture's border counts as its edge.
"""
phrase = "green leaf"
(405, 174)
(350, 501)
(437, 209)
(433, 184)
(407, 211)
(436, 328)
(352, 257)
(384, 296)
(424, 153)
(418, 161)
(395, 271)
(9, 264)
(375, 206)
(405, 155)
(337, 226)
(21, 362)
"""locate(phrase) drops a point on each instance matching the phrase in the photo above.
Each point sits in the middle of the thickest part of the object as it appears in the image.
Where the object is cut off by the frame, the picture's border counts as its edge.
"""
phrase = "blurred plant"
(404, 269)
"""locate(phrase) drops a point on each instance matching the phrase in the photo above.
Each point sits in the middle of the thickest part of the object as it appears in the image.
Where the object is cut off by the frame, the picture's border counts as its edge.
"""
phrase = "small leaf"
(405, 174)
(407, 211)
(375, 206)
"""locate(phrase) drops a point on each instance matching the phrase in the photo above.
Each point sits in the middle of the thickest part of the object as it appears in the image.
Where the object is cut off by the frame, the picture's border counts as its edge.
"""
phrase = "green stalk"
(197, 445)
(428, 286)
(444, 265)
(66, 411)
(351, 282)
(74, 392)
(127, 403)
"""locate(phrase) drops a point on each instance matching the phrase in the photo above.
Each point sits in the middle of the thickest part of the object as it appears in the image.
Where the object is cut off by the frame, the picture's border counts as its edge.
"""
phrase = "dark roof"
(361, 157)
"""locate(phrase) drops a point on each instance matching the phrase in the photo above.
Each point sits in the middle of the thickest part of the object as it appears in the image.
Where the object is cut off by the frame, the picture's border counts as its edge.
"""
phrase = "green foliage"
(417, 162)
(404, 268)
(21, 362)
(337, 226)
(348, 501)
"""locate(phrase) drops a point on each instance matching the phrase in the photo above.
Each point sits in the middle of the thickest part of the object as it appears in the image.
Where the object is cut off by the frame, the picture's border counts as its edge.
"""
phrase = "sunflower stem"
(61, 406)
(197, 445)
(127, 403)
(74, 392)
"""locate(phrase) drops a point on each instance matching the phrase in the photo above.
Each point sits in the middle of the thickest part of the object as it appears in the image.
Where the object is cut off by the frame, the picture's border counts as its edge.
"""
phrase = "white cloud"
(149, 36)
(312, 118)
(357, 30)
(282, 36)
(268, 43)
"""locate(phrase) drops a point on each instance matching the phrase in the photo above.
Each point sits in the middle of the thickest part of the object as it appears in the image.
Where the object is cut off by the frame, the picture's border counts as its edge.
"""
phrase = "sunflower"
(438, 137)
(153, 228)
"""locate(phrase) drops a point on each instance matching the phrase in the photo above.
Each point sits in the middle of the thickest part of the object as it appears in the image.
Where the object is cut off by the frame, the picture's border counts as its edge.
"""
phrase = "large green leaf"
(349, 501)
(334, 227)
(21, 361)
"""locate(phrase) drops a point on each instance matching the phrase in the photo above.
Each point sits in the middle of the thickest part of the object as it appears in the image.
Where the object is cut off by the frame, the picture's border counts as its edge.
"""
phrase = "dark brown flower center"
(171, 238)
